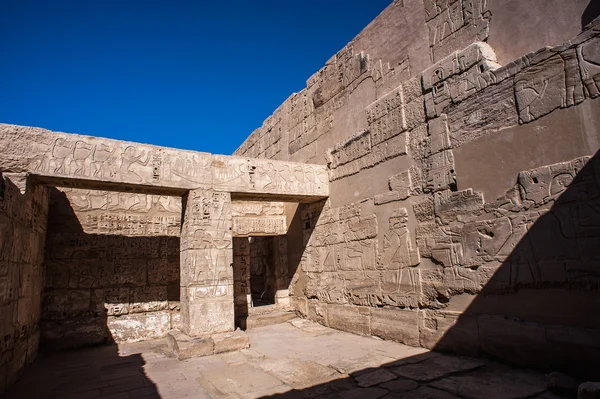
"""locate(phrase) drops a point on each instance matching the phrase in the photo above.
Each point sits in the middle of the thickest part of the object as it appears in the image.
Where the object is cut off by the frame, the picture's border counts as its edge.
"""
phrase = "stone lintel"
(97, 163)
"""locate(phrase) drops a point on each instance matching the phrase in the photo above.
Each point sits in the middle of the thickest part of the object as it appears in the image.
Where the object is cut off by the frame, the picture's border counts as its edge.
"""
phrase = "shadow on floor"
(99, 372)
(436, 376)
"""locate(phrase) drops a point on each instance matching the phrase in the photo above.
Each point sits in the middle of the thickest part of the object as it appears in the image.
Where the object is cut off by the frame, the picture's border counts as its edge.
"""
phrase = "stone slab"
(185, 347)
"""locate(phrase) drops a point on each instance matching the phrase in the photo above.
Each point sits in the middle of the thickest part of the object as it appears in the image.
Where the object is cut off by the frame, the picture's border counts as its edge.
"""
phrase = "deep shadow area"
(539, 309)
(97, 281)
(75, 310)
(299, 233)
(93, 373)
(263, 278)
(591, 12)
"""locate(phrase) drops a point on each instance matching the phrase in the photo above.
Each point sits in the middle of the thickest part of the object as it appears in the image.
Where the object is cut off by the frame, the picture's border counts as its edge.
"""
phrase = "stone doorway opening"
(261, 266)
(263, 269)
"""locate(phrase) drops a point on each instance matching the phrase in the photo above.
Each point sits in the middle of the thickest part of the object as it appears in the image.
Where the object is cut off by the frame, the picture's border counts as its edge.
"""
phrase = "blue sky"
(199, 75)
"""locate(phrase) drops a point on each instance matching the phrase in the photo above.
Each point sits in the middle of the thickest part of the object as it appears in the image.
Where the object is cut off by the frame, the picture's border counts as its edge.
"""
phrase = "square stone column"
(207, 303)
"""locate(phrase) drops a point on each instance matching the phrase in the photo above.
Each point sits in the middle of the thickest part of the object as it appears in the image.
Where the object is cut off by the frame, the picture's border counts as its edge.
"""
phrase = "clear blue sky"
(199, 75)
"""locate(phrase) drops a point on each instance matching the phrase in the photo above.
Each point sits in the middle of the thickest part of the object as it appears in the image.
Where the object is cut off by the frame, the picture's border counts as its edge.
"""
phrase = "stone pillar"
(282, 296)
(207, 263)
(241, 282)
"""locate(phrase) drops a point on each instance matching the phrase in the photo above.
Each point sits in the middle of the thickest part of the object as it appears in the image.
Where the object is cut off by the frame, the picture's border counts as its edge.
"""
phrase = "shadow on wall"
(539, 309)
(540, 306)
(105, 288)
(591, 12)
(299, 233)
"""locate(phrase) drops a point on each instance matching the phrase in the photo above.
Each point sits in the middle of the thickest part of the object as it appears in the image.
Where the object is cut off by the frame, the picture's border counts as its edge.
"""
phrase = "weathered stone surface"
(397, 325)
(300, 374)
(107, 162)
(494, 382)
(403, 248)
(436, 367)
(349, 318)
(256, 321)
(400, 385)
(363, 393)
(184, 347)
(132, 328)
(227, 342)
(374, 378)
(540, 89)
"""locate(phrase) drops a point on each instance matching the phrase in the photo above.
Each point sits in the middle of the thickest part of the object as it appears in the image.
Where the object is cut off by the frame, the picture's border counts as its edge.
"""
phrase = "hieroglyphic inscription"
(267, 176)
(259, 226)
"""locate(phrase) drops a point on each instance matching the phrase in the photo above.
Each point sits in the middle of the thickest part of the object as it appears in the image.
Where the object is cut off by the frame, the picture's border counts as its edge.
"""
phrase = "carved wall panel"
(109, 254)
(207, 280)
(416, 237)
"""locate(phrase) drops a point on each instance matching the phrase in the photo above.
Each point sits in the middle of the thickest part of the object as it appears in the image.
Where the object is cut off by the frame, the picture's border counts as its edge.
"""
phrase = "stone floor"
(297, 359)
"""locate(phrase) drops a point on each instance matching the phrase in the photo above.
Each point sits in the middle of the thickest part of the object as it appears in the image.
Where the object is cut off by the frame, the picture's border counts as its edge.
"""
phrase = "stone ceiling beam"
(97, 163)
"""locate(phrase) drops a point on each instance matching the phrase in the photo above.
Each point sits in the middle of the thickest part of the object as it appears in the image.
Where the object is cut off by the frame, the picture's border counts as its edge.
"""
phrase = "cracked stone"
(374, 378)
(494, 382)
(437, 367)
(400, 385)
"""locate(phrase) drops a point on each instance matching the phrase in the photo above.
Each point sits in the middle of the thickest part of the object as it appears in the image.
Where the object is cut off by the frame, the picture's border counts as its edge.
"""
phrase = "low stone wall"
(23, 215)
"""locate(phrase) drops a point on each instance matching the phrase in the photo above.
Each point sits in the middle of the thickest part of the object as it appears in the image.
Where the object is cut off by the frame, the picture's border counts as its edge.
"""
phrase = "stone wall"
(112, 267)
(463, 198)
(23, 215)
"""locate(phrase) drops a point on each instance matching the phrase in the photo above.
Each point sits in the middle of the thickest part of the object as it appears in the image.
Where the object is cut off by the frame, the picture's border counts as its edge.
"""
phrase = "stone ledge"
(184, 347)
(262, 320)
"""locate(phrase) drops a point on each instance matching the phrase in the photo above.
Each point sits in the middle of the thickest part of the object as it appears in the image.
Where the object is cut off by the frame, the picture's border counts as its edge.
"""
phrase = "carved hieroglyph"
(103, 161)
(258, 218)
(207, 303)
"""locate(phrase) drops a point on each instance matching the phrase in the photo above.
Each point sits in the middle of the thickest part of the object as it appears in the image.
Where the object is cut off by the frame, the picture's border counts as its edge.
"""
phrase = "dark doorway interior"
(263, 281)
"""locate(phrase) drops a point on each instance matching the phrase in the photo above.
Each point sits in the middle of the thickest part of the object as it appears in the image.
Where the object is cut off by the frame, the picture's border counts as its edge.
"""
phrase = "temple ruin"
(436, 184)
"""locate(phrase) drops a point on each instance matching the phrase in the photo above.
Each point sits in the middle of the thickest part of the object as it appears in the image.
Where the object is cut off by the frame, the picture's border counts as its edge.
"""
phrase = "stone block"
(232, 341)
(349, 318)
(210, 314)
(391, 196)
(300, 304)
(514, 340)
(267, 319)
(350, 149)
(183, 347)
(137, 327)
(449, 332)
(396, 324)
(540, 89)
(317, 311)
(374, 378)
(414, 113)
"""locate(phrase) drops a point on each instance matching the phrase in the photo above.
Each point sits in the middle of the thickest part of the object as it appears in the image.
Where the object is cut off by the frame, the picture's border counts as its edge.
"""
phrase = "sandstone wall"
(463, 199)
(112, 267)
(22, 236)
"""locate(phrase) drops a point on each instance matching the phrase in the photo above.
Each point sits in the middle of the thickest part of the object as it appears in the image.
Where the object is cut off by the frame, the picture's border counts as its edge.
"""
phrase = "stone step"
(267, 319)
(184, 347)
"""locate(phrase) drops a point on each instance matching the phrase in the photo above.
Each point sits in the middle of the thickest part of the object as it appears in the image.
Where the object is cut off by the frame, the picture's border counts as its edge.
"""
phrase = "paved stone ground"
(298, 359)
